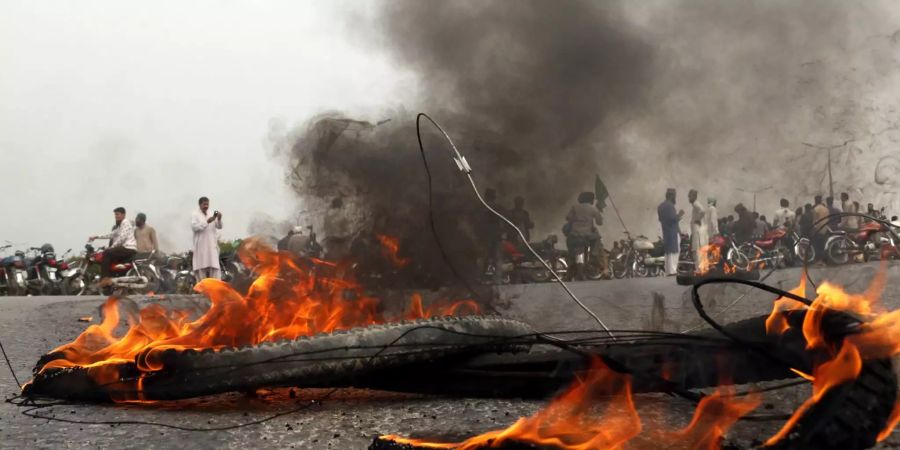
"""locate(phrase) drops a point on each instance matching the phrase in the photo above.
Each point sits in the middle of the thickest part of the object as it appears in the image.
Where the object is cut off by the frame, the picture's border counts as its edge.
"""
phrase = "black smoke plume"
(542, 95)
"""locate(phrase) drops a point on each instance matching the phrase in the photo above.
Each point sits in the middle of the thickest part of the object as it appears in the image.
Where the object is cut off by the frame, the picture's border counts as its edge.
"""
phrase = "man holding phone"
(205, 225)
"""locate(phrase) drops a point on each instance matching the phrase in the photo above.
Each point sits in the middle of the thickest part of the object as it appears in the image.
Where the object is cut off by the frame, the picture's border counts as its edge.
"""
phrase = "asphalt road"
(349, 419)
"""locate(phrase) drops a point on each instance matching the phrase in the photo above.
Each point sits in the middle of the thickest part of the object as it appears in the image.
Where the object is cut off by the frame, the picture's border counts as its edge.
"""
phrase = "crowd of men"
(127, 240)
(747, 225)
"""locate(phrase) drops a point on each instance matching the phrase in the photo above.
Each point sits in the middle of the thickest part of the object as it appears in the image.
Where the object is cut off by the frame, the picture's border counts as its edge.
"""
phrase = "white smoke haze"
(151, 105)
(102, 106)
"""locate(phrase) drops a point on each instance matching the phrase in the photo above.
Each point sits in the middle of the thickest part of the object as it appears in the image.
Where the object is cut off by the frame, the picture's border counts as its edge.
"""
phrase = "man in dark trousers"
(122, 245)
(668, 220)
(581, 225)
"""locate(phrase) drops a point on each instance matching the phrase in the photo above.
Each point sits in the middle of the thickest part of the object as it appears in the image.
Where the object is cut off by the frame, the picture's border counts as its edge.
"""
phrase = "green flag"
(601, 193)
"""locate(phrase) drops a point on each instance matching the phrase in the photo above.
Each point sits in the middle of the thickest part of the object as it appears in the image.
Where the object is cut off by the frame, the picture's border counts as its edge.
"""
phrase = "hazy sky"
(149, 105)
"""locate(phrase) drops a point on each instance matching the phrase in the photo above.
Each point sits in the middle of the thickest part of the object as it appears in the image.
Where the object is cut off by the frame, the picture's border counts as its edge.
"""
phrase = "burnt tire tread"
(192, 373)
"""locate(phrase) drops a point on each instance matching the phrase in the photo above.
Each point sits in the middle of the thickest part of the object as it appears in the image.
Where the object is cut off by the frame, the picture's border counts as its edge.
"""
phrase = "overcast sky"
(149, 105)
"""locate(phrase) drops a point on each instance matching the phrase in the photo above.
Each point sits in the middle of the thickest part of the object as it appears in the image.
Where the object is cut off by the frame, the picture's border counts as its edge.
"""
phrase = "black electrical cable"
(9, 365)
(464, 167)
(432, 222)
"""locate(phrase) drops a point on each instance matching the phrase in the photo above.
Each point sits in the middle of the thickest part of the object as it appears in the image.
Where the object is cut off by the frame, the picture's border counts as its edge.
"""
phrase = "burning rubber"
(322, 360)
(294, 328)
(489, 356)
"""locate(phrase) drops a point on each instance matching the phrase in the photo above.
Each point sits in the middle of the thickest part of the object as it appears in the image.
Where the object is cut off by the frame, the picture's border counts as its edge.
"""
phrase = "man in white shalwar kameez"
(712, 217)
(699, 234)
(205, 225)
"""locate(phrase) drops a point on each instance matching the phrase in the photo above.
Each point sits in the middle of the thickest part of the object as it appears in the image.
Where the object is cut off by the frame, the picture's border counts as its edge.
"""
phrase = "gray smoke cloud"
(725, 97)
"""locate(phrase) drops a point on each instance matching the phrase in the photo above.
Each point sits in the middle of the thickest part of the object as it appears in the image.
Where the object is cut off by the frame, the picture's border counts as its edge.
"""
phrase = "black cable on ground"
(9, 365)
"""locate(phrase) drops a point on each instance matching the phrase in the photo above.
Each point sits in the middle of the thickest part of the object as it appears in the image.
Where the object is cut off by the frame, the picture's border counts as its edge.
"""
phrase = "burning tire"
(322, 360)
(850, 416)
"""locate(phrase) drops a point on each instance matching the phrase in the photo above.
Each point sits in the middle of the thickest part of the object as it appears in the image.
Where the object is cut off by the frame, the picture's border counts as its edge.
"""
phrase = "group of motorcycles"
(640, 257)
(39, 271)
(35, 271)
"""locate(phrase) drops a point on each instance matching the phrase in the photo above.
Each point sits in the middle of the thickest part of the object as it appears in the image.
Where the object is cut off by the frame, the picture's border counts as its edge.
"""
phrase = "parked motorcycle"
(4, 283)
(43, 272)
(638, 257)
(774, 249)
(520, 266)
(724, 251)
(842, 246)
(15, 273)
(176, 275)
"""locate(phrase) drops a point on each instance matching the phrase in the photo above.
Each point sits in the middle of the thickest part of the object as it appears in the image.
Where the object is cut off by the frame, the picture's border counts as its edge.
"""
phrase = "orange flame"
(715, 414)
(286, 301)
(879, 337)
(415, 310)
(570, 422)
(776, 323)
(710, 257)
(390, 247)
(567, 421)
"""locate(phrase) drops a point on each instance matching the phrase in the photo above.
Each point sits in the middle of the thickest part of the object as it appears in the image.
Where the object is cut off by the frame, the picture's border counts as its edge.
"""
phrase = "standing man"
(145, 235)
(699, 236)
(712, 217)
(819, 230)
(122, 245)
(668, 220)
(520, 217)
(846, 206)
(784, 217)
(206, 243)
(582, 222)
(835, 221)
(745, 225)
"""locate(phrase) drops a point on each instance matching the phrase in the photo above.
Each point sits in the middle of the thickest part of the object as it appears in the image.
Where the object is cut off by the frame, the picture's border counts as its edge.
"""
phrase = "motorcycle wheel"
(184, 284)
(560, 266)
(805, 252)
(738, 259)
(640, 270)
(153, 282)
(754, 255)
(619, 268)
(73, 286)
(837, 251)
(592, 270)
(539, 275)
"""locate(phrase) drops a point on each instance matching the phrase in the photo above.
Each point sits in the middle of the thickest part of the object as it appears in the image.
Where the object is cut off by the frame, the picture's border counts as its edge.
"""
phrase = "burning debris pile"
(841, 344)
(297, 326)
(291, 298)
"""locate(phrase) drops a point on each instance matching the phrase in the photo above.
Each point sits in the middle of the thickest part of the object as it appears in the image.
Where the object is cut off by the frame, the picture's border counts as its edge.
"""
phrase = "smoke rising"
(540, 96)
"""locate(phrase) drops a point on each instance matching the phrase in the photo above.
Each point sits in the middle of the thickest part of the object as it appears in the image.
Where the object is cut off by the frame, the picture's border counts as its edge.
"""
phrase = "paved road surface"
(349, 419)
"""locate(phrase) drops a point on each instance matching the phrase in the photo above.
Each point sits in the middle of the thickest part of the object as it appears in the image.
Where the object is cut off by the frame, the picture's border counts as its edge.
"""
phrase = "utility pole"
(754, 192)
(830, 180)
(829, 148)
